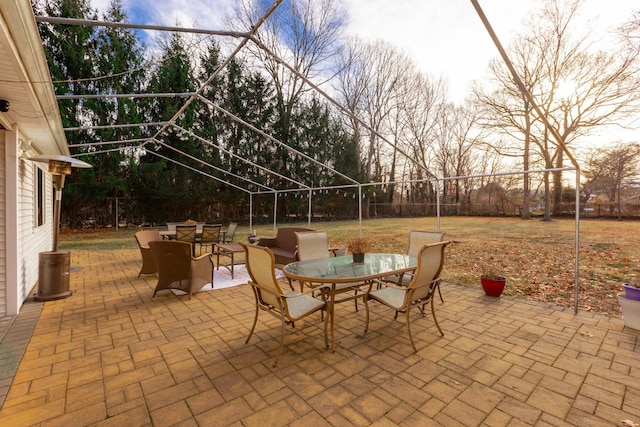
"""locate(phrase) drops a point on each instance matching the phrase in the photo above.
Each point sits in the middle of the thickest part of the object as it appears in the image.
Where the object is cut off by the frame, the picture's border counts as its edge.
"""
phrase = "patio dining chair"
(178, 269)
(230, 232)
(315, 245)
(210, 236)
(187, 233)
(143, 238)
(420, 290)
(288, 307)
(171, 226)
(417, 239)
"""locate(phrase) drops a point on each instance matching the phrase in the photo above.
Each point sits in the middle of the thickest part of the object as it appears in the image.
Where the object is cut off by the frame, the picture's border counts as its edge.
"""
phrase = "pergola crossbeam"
(195, 159)
(242, 159)
(96, 23)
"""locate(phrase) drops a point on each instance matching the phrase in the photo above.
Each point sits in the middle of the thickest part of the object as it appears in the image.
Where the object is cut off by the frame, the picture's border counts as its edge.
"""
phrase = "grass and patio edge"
(537, 257)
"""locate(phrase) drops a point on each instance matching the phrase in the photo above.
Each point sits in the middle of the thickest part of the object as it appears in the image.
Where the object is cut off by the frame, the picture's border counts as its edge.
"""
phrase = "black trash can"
(53, 275)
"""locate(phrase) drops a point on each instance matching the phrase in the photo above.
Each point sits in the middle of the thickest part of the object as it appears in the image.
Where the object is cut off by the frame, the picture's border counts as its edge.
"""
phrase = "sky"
(445, 38)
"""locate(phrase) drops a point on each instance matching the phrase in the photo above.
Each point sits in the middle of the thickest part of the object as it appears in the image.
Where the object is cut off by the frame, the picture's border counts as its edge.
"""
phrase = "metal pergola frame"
(246, 37)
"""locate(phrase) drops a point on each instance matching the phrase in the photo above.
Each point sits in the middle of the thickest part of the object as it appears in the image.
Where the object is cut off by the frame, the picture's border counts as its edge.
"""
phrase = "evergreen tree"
(119, 64)
(88, 60)
(70, 50)
(248, 97)
(174, 190)
(208, 126)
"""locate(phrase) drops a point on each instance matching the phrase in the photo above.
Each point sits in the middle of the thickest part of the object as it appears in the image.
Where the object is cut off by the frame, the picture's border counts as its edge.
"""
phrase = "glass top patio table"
(342, 269)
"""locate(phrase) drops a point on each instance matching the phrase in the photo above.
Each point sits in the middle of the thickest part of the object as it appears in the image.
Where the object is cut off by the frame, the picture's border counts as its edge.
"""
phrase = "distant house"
(29, 125)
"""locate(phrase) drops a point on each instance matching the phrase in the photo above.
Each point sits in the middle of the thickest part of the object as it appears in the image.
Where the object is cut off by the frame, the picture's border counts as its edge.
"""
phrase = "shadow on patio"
(110, 355)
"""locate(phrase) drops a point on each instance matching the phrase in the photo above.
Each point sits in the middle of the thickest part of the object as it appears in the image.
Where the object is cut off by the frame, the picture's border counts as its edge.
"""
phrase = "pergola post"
(309, 209)
(275, 213)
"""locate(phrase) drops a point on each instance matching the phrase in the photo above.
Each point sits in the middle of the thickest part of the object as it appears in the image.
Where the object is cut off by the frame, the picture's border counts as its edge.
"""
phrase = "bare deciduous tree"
(605, 85)
(370, 78)
(610, 170)
(458, 135)
(306, 34)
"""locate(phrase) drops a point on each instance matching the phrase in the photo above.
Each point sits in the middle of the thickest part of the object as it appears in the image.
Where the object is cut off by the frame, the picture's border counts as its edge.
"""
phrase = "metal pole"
(309, 211)
(360, 208)
(250, 212)
(58, 184)
(438, 205)
(275, 212)
(576, 276)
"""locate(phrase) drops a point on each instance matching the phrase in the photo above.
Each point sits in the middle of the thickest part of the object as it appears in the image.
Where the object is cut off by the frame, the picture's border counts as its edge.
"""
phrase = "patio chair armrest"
(294, 294)
(388, 284)
(201, 272)
(262, 288)
(204, 262)
(269, 242)
(201, 257)
(422, 285)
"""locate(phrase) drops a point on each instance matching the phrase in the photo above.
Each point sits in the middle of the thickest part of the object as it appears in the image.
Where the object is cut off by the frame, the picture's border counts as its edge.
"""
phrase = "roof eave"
(21, 39)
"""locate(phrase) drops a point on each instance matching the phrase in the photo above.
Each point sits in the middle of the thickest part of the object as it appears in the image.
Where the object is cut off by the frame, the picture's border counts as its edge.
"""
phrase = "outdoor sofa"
(283, 245)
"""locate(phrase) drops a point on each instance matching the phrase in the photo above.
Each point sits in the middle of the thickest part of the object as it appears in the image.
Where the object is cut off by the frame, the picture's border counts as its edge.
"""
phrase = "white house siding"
(33, 117)
(31, 240)
(3, 231)
(19, 272)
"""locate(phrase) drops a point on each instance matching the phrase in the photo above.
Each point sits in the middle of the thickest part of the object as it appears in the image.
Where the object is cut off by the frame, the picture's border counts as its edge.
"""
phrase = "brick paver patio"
(109, 355)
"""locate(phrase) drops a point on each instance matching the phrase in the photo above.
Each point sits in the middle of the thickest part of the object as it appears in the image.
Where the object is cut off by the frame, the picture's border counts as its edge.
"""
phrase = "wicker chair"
(177, 269)
(148, 262)
(288, 307)
(420, 290)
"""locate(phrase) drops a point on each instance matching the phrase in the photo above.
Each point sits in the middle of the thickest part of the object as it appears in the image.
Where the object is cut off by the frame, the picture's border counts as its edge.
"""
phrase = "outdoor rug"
(222, 278)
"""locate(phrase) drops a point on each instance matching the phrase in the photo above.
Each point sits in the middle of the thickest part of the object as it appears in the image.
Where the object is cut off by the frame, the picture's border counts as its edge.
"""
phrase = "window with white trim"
(39, 197)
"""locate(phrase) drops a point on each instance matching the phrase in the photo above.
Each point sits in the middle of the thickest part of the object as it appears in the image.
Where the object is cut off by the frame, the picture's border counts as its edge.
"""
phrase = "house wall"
(20, 241)
(4, 249)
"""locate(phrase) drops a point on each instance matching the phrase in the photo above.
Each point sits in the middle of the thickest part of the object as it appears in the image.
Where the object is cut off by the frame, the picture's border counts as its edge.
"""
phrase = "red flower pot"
(493, 287)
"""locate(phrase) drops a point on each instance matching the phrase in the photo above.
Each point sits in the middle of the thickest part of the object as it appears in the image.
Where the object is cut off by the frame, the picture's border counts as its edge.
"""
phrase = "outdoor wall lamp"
(25, 146)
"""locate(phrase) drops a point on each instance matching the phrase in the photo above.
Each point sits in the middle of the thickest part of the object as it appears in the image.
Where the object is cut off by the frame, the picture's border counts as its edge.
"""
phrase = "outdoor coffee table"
(228, 250)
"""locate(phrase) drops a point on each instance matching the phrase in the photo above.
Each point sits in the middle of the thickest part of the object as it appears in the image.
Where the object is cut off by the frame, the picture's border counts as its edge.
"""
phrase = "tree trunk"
(526, 202)
(547, 198)
(557, 185)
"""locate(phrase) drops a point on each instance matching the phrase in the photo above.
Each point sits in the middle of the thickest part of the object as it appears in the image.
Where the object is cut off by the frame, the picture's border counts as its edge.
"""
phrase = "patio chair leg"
(433, 313)
(326, 328)
(255, 320)
(366, 309)
(282, 331)
(421, 308)
(440, 293)
(409, 329)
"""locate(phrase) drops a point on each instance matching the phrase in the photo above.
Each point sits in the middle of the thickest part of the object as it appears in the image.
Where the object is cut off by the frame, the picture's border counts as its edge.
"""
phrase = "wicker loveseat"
(283, 245)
